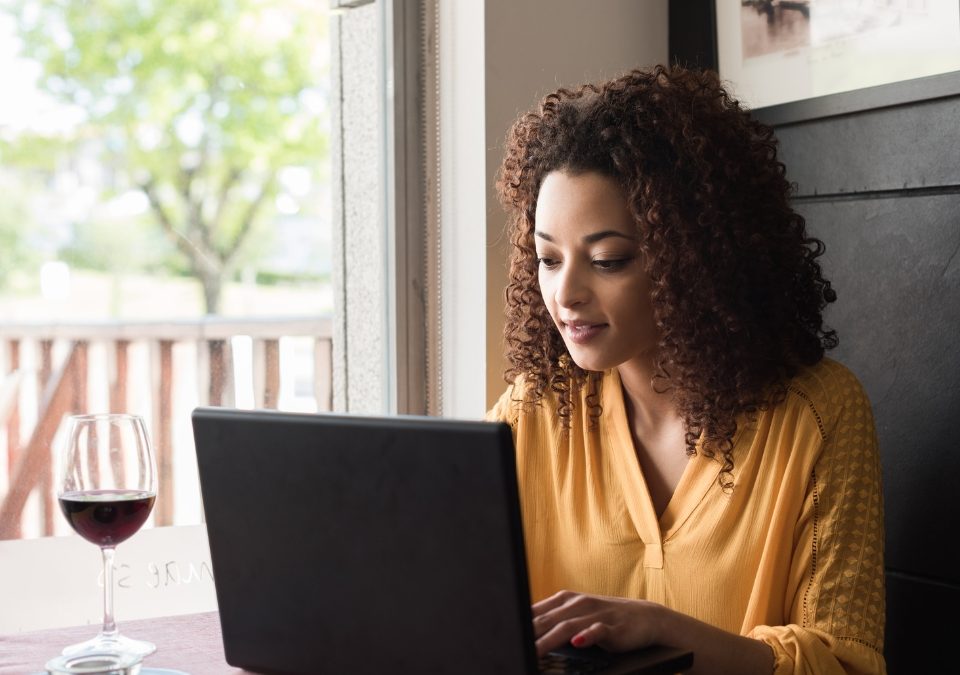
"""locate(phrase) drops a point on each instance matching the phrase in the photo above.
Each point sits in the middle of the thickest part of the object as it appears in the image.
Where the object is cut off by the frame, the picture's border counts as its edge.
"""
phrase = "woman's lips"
(581, 333)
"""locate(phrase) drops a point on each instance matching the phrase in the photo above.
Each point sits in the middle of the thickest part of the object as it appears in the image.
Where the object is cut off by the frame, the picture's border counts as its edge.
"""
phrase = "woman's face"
(591, 271)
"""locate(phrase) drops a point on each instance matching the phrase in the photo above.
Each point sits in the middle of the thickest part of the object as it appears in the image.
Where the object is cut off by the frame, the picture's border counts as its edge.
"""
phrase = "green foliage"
(19, 243)
(197, 103)
(265, 278)
(15, 253)
(110, 245)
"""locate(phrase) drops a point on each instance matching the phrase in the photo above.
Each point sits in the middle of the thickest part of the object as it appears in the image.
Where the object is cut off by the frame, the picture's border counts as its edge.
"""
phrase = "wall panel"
(908, 147)
(882, 189)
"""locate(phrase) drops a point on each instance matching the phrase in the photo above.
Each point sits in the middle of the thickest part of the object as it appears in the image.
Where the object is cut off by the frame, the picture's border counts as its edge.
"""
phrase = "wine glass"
(106, 488)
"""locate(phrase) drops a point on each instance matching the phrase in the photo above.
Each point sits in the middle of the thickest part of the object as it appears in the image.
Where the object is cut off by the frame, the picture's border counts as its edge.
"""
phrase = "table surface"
(191, 643)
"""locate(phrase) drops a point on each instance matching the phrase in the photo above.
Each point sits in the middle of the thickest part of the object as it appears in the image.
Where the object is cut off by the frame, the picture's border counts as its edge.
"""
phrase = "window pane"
(165, 232)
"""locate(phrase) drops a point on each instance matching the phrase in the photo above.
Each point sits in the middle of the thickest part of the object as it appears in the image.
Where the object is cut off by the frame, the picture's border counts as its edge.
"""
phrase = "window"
(115, 292)
(166, 166)
(363, 331)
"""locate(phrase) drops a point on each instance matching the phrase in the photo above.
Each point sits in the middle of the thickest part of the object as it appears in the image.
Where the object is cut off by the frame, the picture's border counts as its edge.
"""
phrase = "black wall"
(877, 176)
(882, 189)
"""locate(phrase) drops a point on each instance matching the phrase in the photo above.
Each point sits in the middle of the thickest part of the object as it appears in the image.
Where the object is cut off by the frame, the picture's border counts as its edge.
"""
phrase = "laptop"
(349, 544)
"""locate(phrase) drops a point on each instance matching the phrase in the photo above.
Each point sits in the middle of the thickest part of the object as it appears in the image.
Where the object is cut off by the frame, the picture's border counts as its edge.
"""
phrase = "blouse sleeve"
(836, 593)
(505, 409)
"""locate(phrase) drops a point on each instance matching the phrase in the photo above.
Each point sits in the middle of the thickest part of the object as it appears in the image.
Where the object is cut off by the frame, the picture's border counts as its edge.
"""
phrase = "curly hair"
(737, 291)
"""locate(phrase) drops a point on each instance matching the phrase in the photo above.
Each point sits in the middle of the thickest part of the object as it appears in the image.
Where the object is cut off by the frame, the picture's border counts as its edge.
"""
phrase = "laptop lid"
(351, 544)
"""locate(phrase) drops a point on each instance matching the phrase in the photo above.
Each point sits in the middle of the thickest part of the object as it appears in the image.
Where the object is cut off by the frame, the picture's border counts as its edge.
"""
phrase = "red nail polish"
(578, 640)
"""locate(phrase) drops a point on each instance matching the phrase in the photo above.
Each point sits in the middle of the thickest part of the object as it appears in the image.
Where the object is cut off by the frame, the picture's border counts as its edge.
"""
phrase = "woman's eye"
(549, 263)
(611, 264)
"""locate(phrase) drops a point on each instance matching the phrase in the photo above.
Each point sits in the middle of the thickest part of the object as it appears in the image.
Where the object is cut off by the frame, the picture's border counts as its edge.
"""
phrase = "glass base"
(118, 644)
(99, 663)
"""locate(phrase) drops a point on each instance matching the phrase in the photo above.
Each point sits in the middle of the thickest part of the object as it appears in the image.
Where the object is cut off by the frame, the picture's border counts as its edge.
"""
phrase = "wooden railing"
(157, 369)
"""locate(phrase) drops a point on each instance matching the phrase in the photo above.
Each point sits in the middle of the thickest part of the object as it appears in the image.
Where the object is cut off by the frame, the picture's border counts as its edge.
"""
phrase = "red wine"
(106, 517)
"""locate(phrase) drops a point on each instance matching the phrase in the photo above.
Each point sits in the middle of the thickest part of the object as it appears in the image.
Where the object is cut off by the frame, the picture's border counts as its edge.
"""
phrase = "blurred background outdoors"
(165, 226)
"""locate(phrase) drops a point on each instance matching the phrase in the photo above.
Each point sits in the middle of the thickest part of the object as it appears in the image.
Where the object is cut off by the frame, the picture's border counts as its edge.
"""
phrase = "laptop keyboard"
(556, 663)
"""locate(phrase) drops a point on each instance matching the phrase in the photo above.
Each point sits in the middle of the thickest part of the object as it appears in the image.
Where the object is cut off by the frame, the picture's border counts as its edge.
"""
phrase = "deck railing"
(157, 369)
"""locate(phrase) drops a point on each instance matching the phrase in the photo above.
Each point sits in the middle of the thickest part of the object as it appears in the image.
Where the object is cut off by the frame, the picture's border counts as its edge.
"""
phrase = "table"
(191, 643)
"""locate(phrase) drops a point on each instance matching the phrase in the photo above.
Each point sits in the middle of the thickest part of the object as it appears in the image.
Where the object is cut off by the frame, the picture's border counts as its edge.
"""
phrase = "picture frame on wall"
(796, 60)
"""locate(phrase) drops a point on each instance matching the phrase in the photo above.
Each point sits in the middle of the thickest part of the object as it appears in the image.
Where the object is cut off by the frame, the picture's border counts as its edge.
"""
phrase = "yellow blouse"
(793, 555)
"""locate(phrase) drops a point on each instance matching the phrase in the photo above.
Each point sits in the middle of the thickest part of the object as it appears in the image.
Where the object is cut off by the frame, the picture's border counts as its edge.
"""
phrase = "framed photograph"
(796, 59)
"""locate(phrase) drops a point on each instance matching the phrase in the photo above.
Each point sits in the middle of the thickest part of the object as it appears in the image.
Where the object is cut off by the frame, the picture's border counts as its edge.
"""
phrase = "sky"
(23, 105)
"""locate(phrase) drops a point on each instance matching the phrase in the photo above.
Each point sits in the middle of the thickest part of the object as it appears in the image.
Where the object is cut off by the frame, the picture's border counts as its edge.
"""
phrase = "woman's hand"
(616, 624)
(619, 624)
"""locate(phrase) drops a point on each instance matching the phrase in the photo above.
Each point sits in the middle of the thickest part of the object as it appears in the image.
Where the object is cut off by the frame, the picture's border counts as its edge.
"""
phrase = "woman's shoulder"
(522, 399)
(516, 398)
(829, 389)
(503, 409)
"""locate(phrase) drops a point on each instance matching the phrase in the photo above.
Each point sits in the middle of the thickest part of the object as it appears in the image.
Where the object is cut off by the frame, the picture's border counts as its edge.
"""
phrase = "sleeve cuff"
(807, 651)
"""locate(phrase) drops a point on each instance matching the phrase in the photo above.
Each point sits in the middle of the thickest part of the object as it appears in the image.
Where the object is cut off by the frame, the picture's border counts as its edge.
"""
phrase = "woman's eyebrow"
(589, 238)
(603, 234)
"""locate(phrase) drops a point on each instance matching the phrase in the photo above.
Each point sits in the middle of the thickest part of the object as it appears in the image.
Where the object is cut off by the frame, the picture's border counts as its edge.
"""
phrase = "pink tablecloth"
(191, 643)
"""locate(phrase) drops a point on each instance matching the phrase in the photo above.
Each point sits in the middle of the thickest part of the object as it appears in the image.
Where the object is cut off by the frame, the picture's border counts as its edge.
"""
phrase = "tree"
(23, 241)
(15, 250)
(199, 104)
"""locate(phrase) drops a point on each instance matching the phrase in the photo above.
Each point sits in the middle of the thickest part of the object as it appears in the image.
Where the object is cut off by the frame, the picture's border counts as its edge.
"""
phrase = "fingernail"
(578, 640)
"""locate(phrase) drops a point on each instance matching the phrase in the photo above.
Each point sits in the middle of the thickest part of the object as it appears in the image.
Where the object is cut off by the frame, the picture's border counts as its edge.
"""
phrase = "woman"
(693, 471)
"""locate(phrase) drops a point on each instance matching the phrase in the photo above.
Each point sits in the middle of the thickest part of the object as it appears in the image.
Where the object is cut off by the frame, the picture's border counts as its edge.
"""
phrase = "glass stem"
(109, 630)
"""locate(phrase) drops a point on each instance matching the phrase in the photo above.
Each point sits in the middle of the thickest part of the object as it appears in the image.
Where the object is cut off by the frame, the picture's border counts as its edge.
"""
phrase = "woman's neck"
(648, 410)
(658, 434)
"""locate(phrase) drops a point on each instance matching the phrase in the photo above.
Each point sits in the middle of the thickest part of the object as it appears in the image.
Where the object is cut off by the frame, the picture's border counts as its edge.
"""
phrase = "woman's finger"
(567, 606)
(594, 634)
(556, 600)
(562, 632)
(582, 620)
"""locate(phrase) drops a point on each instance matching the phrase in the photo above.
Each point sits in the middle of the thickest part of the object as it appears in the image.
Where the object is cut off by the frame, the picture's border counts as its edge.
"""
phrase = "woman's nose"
(572, 289)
